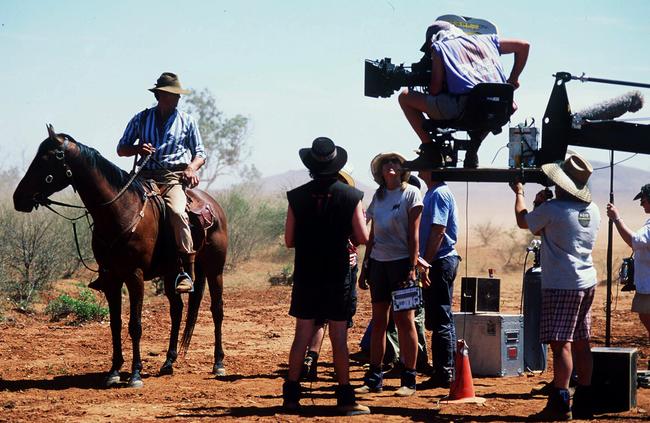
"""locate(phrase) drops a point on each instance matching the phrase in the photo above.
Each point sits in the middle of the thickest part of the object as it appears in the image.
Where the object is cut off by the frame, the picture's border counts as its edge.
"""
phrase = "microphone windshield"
(612, 108)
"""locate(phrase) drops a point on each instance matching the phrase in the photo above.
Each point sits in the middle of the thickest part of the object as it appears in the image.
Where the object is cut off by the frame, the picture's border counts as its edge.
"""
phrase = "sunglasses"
(393, 160)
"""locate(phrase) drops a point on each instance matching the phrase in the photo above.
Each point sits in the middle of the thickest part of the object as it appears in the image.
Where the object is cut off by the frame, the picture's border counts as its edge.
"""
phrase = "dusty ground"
(54, 372)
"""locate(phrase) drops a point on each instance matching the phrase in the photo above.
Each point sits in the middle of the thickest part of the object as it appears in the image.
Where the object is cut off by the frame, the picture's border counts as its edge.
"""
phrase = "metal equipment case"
(495, 340)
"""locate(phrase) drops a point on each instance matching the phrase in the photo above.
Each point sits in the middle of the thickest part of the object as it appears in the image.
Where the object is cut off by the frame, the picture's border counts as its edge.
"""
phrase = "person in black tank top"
(322, 215)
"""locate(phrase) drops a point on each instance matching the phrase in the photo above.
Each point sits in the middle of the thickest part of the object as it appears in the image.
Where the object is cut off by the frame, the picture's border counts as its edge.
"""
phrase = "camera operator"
(459, 62)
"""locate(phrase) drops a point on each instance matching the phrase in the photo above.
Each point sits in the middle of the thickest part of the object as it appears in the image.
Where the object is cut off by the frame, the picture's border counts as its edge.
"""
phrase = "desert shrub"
(31, 254)
(487, 232)
(84, 309)
(254, 223)
(513, 247)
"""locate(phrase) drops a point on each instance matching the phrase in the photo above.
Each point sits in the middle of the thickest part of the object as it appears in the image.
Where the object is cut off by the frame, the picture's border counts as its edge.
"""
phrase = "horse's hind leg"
(136, 295)
(215, 282)
(114, 298)
(176, 314)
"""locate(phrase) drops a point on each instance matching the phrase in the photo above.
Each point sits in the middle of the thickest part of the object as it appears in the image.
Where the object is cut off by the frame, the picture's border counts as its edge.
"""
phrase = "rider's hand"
(189, 177)
(146, 149)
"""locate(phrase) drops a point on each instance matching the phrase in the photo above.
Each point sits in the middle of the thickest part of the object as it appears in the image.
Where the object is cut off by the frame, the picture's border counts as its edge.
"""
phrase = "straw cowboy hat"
(170, 83)
(378, 161)
(345, 177)
(323, 158)
(571, 175)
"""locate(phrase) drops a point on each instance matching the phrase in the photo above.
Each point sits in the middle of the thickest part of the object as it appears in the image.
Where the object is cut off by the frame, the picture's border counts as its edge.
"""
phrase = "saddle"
(199, 212)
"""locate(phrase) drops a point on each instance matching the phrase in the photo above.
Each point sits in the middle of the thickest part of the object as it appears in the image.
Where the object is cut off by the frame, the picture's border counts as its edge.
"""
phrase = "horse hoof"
(218, 371)
(112, 380)
(136, 383)
(166, 370)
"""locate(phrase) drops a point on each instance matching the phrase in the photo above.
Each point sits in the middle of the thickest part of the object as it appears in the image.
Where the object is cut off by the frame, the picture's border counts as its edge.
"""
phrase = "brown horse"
(130, 242)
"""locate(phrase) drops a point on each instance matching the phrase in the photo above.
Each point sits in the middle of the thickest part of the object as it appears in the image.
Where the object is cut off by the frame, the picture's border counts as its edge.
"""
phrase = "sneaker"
(352, 409)
(405, 391)
(365, 389)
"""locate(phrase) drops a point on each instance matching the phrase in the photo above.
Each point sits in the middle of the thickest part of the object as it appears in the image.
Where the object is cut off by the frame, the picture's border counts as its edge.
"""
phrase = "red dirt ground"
(54, 372)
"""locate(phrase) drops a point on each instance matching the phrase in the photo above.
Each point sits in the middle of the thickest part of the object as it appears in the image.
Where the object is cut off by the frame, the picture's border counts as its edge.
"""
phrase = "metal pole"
(610, 81)
(608, 311)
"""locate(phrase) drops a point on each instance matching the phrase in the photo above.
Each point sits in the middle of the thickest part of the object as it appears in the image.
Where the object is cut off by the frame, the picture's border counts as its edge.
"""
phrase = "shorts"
(566, 314)
(324, 301)
(445, 106)
(641, 303)
(352, 279)
(385, 277)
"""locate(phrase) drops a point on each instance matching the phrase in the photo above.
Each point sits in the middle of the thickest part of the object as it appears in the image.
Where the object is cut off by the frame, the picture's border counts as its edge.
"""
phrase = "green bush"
(254, 222)
(84, 309)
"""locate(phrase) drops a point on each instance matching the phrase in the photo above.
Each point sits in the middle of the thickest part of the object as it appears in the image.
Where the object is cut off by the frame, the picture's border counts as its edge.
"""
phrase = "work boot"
(346, 402)
(310, 367)
(429, 157)
(557, 407)
(373, 381)
(582, 407)
(407, 387)
(185, 278)
(290, 395)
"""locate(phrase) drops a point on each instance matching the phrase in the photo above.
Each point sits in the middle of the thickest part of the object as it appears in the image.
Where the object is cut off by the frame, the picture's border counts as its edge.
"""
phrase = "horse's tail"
(194, 303)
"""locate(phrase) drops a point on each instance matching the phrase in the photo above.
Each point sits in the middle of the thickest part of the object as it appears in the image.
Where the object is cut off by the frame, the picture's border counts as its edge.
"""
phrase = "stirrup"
(180, 276)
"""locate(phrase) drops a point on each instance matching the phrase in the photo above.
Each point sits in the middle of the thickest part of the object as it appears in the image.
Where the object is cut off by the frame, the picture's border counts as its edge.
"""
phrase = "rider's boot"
(185, 278)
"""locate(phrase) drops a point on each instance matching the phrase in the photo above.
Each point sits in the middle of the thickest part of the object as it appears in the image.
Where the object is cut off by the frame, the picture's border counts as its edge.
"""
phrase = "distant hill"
(494, 201)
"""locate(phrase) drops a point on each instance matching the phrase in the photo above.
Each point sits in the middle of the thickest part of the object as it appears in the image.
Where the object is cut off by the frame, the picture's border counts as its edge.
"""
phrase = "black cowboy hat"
(323, 158)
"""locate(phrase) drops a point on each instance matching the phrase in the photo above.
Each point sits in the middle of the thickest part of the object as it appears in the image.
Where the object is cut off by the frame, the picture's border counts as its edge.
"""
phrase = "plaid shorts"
(566, 314)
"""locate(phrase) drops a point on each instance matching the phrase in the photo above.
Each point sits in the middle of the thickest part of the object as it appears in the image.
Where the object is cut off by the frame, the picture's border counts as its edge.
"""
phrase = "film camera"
(383, 78)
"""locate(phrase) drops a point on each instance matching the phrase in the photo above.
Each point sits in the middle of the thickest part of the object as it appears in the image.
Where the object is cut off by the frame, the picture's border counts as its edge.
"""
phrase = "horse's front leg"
(215, 282)
(176, 315)
(114, 298)
(135, 284)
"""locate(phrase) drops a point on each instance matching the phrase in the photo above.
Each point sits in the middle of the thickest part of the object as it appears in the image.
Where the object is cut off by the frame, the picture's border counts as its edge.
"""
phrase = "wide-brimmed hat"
(378, 161)
(323, 158)
(170, 83)
(345, 177)
(571, 175)
(645, 192)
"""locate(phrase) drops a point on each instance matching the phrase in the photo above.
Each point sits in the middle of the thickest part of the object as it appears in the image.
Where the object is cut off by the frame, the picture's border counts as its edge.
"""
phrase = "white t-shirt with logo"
(390, 222)
(568, 230)
(641, 247)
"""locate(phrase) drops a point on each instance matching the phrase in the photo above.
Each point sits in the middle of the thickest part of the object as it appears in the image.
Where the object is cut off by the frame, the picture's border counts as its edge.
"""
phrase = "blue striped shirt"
(469, 60)
(178, 143)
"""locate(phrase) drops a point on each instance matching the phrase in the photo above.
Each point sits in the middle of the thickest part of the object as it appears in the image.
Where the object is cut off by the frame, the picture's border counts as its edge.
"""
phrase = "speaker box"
(480, 295)
(614, 379)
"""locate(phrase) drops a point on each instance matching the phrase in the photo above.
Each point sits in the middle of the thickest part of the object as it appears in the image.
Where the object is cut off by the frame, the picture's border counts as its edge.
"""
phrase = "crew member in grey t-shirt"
(568, 226)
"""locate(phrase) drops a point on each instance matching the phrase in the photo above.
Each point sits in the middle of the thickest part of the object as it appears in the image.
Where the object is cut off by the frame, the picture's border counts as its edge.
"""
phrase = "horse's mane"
(115, 176)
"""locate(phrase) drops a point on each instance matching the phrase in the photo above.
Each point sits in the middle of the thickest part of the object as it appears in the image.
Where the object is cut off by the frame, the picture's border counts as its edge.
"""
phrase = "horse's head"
(48, 173)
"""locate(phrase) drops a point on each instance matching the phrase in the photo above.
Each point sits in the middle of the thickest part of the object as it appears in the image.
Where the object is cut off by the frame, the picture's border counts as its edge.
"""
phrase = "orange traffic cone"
(462, 387)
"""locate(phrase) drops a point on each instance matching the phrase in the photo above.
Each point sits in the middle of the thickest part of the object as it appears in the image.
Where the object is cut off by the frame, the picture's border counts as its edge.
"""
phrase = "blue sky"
(294, 67)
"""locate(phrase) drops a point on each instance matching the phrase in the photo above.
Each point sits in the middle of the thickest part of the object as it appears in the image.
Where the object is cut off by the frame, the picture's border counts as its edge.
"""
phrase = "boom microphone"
(610, 109)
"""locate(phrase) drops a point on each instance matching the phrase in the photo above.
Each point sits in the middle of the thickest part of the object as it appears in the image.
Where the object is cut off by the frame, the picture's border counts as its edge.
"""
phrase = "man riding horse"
(173, 140)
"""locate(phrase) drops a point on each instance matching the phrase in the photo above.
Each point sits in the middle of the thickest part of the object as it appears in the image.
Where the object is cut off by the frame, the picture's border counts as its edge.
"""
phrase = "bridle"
(46, 202)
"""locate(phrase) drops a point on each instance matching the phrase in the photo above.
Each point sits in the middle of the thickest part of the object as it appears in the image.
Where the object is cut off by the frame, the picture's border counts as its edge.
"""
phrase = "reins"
(46, 202)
